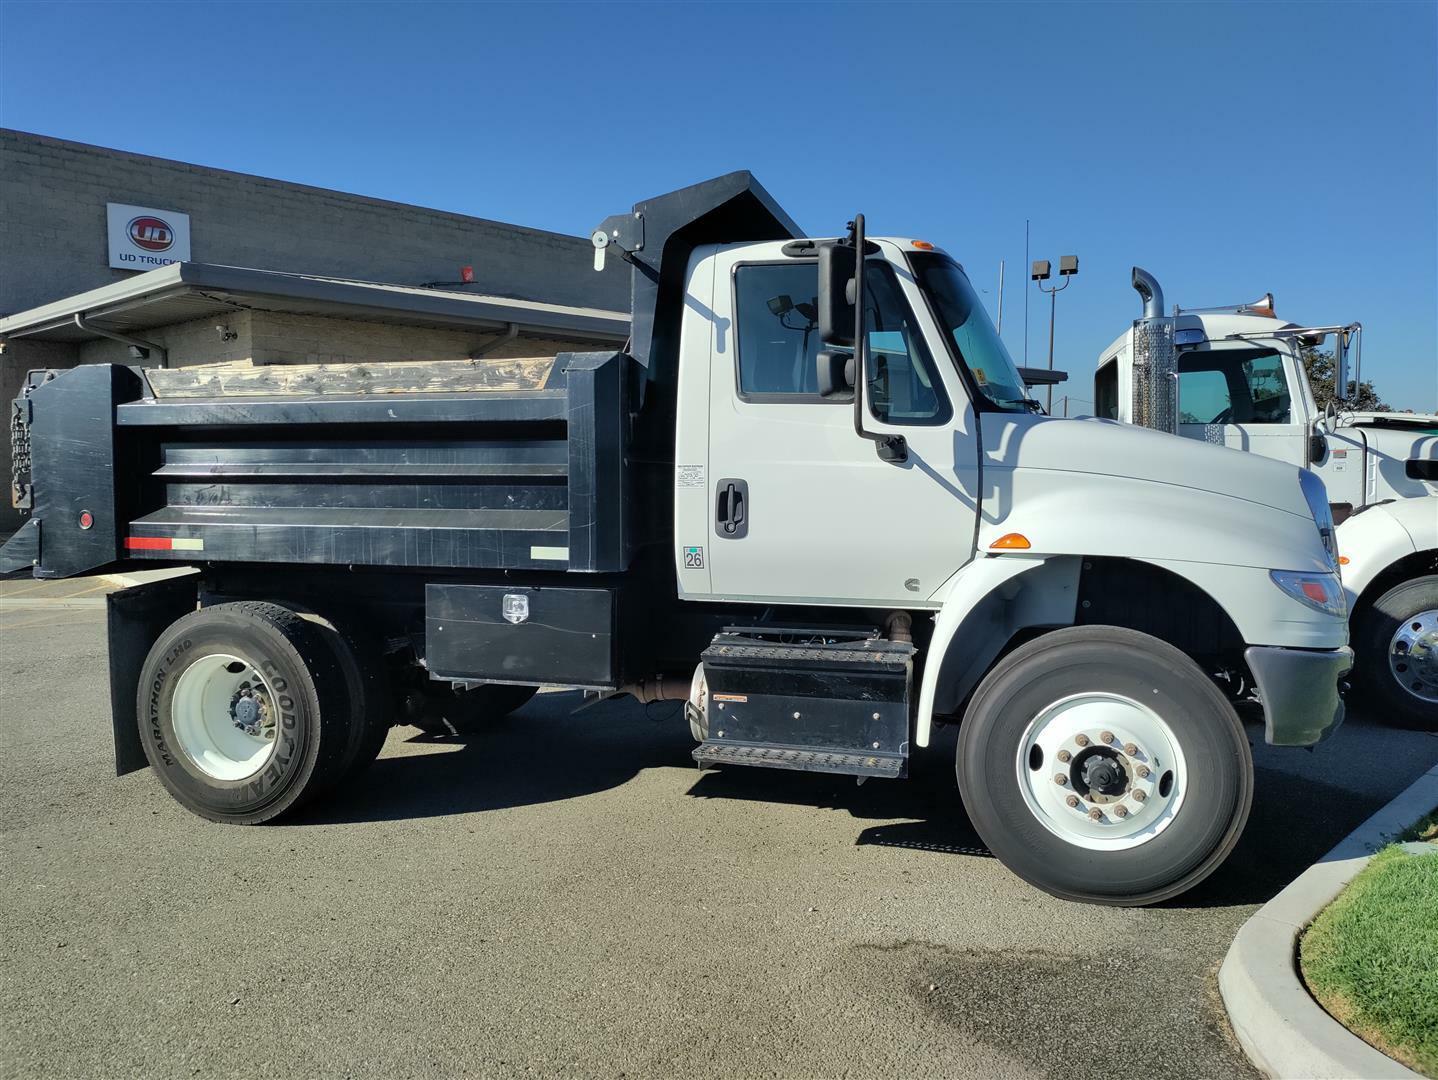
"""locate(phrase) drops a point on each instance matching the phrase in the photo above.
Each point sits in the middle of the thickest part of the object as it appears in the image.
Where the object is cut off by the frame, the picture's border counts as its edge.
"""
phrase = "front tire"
(1101, 765)
(1396, 640)
(243, 711)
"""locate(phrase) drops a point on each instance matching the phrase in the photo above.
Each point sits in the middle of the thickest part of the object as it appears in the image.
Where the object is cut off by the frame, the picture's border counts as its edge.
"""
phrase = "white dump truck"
(1233, 376)
(810, 499)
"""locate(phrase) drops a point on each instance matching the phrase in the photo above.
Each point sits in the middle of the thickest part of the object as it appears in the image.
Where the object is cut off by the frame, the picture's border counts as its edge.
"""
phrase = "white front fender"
(985, 603)
(1374, 539)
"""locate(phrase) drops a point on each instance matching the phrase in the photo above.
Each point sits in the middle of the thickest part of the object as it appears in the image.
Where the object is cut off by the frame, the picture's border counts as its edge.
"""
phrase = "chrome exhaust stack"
(1155, 359)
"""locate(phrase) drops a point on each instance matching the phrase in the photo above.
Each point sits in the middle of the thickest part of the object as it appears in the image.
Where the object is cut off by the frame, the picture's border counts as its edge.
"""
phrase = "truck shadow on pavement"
(547, 752)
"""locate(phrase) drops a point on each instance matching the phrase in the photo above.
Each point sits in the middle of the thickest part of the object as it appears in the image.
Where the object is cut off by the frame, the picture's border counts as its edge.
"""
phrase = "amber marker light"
(1011, 542)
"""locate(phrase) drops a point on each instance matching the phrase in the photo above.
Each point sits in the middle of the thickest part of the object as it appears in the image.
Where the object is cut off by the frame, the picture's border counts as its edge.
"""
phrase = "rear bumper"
(1299, 689)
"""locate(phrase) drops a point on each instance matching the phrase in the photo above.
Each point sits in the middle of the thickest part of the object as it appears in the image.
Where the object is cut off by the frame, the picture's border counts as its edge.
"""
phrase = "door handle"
(731, 509)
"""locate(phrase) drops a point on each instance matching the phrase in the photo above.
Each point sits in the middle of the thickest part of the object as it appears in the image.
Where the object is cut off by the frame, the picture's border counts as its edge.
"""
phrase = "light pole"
(1068, 267)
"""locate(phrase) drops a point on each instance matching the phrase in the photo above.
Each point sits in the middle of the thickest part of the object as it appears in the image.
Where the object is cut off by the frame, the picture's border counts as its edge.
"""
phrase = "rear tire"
(243, 711)
(1396, 641)
(366, 678)
(1171, 793)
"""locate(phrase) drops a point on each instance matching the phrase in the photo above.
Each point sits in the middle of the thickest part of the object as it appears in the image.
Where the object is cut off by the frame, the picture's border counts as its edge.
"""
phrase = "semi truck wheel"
(243, 711)
(460, 712)
(1102, 765)
(1396, 640)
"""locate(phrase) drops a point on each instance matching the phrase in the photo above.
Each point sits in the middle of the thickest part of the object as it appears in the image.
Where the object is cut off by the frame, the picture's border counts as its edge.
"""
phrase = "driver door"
(824, 520)
(1240, 398)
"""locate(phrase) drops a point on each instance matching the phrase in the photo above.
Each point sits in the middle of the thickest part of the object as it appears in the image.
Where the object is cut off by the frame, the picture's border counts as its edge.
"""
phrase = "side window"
(778, 329)
(1105, 390)
(778, 343)
(902, 387)
(1203, 397)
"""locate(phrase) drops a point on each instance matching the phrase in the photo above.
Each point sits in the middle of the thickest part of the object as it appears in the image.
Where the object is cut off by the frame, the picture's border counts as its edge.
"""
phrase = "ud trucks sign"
(142, 238)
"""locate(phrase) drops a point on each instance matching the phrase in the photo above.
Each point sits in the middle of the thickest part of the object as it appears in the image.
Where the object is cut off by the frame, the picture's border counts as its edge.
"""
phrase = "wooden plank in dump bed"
(245, 379)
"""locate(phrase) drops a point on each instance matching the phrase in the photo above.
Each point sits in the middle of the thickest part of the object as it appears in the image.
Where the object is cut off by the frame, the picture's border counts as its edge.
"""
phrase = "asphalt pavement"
(565, 895)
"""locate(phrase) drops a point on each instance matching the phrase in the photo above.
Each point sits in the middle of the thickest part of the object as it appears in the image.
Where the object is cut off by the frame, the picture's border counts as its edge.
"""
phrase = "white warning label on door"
(689, 476)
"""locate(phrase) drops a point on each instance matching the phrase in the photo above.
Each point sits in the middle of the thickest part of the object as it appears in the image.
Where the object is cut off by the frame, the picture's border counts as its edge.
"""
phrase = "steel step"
(801, 758)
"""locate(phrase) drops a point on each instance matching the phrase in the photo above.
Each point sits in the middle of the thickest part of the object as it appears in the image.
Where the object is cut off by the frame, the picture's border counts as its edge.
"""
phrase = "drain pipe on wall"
(142, 347)
(510, 333)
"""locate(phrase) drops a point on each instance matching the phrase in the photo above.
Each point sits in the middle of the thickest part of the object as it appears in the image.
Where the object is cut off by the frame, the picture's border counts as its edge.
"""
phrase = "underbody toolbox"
(504, 633)
(813, 700)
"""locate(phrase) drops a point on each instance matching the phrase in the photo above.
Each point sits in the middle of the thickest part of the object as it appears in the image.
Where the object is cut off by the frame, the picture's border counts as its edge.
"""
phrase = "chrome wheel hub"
(1413, 655)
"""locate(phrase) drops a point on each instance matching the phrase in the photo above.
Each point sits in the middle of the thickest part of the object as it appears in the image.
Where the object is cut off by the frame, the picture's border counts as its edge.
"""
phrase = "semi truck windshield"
(976, 344)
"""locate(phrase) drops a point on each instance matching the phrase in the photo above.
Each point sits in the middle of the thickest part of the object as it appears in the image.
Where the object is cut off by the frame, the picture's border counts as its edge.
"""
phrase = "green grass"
(1371, 957)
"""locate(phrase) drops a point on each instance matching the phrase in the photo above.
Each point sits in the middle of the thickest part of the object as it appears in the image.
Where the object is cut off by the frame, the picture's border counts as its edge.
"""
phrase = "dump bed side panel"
(385, 467)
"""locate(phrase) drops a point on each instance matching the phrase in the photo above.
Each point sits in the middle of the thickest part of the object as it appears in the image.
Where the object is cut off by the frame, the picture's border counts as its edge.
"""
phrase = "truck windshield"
(976, 344)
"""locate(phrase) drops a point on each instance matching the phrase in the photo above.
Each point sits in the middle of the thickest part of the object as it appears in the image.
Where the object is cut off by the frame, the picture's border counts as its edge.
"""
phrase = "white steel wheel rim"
(1144, 762)
(1413, 655)
(224, 715)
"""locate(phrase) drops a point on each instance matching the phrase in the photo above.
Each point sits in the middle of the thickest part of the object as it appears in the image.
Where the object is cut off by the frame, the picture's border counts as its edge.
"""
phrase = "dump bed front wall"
(508, 479)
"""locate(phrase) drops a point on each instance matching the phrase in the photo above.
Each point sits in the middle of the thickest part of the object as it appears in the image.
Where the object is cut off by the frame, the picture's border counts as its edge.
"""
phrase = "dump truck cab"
(810, 499)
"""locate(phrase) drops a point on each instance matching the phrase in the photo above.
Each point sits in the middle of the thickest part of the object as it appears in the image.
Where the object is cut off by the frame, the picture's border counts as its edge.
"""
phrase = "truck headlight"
(1316, 495)
(1322, 592)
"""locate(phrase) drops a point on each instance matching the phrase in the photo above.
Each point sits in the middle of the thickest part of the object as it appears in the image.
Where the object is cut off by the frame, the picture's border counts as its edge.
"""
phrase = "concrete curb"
(1279, 1025)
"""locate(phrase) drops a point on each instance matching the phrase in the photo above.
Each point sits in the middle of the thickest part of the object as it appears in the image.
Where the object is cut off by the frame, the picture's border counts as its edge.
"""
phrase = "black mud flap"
(136, 617)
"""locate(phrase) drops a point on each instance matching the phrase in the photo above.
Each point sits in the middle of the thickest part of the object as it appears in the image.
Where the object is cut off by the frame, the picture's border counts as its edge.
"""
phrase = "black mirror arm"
(892, 448)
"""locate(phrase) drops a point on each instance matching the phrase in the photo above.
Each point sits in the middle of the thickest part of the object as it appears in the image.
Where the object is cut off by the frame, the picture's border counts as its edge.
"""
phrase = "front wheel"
(1396, 640)
(1102, 765)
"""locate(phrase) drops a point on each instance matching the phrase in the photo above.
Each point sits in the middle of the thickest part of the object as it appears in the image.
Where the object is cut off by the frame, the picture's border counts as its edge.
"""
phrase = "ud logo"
(150, 233)
(694, 558)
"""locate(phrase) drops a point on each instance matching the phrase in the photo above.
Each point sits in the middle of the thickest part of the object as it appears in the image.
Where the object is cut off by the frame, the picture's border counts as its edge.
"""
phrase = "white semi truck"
(1233, 376)
(824, 568)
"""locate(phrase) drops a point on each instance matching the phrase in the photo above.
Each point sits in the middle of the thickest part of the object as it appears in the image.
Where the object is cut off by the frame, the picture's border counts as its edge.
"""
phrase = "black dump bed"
(502, 464)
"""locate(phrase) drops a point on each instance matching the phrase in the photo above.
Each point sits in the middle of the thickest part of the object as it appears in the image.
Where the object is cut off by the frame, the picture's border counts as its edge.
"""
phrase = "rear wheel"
(1396, 640)
(243, 711)
(1102, 765)
(366, 676)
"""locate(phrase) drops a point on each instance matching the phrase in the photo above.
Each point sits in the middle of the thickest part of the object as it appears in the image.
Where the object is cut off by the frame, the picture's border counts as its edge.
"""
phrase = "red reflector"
(148, 543)
(87, 519)
(1315, 591)
(466, 274)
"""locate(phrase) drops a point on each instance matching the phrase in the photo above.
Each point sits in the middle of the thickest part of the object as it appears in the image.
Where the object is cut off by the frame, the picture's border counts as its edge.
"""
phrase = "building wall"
(52, 230)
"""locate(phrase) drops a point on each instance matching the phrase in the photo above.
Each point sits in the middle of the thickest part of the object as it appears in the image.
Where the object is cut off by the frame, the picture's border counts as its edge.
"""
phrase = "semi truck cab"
(1234, 376)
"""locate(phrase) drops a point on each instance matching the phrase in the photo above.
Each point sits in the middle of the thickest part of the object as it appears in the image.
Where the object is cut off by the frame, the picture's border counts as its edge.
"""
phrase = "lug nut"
(1064, 755)
(1142, 771)
(1060, 779)
(1121, 811)
(1130, 748)
(1139, 796)
(1106, 736)
(1072, 800)
(1082, 740)
(1095, 814)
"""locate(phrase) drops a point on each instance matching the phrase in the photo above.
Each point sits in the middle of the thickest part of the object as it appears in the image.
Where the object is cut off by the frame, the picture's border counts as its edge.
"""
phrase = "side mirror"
(836, 373)
(1340, 365)
(836, 294)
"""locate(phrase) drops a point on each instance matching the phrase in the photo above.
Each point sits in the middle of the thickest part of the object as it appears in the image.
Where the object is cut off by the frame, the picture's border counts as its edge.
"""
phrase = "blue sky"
(1231, 149)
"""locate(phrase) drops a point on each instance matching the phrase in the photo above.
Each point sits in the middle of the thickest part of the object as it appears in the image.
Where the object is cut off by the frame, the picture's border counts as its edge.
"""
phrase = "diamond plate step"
(804, 759)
